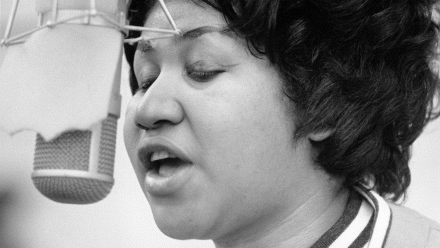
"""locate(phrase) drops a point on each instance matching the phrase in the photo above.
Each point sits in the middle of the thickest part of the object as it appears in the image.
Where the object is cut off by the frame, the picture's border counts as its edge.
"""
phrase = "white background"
(123, 219)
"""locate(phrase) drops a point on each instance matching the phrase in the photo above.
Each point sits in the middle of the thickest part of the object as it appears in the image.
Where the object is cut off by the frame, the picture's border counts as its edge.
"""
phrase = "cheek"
(245, 131)
(237, 133)
(244, 120)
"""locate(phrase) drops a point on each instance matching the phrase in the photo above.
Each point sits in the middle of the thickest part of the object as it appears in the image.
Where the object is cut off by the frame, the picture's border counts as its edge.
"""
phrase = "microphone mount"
(91, 16)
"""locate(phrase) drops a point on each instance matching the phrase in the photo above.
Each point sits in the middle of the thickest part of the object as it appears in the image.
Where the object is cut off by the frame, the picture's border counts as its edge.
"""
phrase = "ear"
(320, 136)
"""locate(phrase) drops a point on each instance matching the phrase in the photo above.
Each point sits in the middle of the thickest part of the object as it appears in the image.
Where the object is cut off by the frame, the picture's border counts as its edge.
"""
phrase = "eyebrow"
(145, 45)
(197, 32)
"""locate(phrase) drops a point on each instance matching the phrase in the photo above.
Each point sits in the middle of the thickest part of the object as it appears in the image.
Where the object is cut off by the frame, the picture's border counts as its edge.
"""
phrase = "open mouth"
(162, 157)
(171, 162)
(167, 166)
(163, 162)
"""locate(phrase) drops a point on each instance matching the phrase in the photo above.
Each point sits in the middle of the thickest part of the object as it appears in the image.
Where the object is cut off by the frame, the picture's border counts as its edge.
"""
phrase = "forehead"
(187, 15)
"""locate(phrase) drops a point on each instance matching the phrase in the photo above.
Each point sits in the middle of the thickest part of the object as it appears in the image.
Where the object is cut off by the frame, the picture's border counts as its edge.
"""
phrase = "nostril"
(140, 126)
(155, 125)
(159, 123)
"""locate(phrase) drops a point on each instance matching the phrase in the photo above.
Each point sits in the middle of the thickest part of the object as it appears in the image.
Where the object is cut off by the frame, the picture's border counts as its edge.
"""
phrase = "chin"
(180, 229)
(181, 222)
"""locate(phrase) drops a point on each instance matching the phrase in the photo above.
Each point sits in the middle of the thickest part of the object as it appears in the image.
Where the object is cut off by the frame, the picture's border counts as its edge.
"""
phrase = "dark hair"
(362, 69)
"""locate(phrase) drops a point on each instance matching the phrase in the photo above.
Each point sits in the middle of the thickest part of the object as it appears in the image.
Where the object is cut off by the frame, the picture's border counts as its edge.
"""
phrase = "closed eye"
(146, 84)
(203, 76)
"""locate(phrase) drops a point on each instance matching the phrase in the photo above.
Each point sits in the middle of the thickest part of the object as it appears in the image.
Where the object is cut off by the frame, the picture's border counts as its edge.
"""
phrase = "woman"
(273, 123)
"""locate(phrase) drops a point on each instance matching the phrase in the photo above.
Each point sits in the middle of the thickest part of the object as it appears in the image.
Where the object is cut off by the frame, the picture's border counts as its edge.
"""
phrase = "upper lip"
(156, 144)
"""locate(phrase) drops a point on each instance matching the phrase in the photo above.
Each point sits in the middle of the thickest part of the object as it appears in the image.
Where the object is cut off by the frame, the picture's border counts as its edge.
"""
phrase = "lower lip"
(163, 184)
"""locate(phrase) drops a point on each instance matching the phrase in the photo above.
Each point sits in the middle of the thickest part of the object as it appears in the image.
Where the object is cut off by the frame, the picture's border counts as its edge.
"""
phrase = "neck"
(298, 227)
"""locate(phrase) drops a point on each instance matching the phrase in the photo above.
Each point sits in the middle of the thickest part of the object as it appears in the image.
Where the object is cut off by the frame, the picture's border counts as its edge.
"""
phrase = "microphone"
(77, 166)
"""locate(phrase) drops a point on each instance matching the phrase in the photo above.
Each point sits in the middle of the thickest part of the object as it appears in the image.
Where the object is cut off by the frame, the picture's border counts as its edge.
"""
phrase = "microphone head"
(77, 167)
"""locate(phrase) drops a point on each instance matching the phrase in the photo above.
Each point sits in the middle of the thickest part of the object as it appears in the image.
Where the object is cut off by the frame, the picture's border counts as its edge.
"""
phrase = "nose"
(159, 106)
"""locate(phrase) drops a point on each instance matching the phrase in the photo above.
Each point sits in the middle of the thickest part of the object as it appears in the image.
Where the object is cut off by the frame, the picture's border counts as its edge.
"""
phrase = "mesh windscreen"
(108, 145)
(73, 190)
(71, 151)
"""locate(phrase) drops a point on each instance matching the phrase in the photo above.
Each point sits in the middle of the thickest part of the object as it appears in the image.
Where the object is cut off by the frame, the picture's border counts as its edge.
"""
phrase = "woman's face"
(209, 132)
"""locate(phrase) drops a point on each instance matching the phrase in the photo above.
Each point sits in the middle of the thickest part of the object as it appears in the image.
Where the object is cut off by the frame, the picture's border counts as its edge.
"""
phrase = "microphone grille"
(70, 153)
(107, 145)
(73, 190)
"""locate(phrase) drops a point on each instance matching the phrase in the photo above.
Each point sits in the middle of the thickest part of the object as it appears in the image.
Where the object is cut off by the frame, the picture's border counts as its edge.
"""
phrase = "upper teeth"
(161, 155)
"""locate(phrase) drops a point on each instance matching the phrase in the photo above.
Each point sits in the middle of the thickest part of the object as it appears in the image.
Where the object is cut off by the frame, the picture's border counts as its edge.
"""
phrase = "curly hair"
(362, 69)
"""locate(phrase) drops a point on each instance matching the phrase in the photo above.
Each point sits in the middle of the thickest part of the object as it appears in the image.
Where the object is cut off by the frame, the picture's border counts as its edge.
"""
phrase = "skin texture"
(249, 184)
